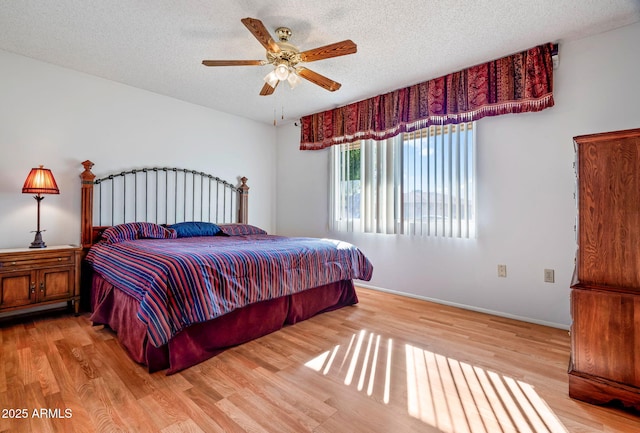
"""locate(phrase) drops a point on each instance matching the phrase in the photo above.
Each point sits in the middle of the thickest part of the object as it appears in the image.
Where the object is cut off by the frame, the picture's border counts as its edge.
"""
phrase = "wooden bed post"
(243, 209)
(86, 202)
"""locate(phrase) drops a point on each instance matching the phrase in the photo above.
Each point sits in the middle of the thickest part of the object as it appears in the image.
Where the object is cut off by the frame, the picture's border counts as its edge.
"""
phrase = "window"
(419, 183)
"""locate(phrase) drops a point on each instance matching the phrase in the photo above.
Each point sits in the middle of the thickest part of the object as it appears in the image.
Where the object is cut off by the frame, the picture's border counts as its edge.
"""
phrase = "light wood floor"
(390, 364)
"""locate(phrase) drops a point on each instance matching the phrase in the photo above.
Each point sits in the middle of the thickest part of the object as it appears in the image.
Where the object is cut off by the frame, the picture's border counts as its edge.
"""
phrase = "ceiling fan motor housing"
(289, 53)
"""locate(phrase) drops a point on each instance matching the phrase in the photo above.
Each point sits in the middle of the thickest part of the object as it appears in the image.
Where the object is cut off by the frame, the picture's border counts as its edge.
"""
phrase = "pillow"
(136, 230)
(241, 229)
(154, 231)
(120, 232)
(190, 229)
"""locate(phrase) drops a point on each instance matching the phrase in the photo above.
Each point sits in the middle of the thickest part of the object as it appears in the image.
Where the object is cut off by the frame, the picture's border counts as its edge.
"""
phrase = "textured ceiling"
(158, 45)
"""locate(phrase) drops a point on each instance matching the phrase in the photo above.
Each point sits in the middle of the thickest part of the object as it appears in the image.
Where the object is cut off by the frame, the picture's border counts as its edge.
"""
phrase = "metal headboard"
(162, 195)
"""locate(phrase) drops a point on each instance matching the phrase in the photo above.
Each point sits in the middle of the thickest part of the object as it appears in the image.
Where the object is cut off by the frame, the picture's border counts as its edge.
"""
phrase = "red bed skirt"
(201, 341)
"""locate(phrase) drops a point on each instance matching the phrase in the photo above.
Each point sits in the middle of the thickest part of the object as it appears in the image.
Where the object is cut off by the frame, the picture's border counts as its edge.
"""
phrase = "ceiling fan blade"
(267, 89)
(261, 33)
(232, 62)
(318, 79)
(332, 50)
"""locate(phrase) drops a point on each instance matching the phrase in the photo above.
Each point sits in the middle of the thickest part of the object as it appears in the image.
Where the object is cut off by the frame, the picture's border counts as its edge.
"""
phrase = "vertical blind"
(419, 183)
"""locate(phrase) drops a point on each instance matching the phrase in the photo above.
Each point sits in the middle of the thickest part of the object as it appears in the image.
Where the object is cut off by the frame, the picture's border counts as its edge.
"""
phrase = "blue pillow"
(190, 229)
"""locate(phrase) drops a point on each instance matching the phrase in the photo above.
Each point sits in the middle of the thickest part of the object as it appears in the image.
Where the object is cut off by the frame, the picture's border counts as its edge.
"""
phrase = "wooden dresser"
(605, 292)
(33, 277)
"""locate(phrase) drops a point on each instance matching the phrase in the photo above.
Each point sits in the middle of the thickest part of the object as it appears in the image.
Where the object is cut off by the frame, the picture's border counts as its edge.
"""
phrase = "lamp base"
(38, 242)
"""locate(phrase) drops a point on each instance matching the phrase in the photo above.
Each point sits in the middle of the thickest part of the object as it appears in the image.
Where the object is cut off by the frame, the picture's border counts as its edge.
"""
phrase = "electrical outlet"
(549, 276)
(502, 271)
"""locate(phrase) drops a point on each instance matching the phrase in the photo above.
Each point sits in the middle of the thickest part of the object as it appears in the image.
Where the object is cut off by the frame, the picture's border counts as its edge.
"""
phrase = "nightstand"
(32, 277)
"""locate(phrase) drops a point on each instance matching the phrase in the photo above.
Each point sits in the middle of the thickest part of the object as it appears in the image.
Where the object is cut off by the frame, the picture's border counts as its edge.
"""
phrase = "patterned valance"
(518, 83)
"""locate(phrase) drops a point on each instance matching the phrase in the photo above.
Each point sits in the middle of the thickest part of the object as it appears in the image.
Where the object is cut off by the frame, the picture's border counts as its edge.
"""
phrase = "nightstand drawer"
(22, 261)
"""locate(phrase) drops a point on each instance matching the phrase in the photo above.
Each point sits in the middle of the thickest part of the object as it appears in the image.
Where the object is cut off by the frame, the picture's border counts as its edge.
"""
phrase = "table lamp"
(39, 181)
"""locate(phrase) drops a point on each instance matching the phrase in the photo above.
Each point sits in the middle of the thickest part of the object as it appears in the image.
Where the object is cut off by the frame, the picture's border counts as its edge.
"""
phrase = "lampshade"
(282, 71)
(40, 181)
(293, 80)
(271, 79)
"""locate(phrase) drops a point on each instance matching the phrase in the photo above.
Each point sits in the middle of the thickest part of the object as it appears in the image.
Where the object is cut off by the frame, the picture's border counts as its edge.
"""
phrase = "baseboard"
(464, 306)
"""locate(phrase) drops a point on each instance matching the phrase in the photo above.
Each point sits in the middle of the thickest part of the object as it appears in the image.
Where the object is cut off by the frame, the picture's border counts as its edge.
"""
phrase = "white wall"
(525, 203)
(59, 118)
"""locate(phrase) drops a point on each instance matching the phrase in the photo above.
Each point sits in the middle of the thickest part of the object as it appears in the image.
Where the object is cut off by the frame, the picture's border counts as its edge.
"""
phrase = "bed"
(175, 269)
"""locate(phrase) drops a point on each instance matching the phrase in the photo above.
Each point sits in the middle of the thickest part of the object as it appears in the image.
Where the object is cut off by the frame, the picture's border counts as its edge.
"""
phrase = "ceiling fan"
(286, 58)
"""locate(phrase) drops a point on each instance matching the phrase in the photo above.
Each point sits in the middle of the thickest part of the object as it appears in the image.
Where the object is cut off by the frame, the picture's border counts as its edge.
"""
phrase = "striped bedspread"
(184, 281)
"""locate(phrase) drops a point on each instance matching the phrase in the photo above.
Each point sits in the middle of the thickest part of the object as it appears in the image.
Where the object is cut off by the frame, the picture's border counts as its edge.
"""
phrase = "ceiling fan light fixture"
(282, 71)
(271, 79)
(293, 79)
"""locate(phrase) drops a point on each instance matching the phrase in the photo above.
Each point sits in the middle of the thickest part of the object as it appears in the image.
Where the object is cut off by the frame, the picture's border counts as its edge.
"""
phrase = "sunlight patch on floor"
(453, 396)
